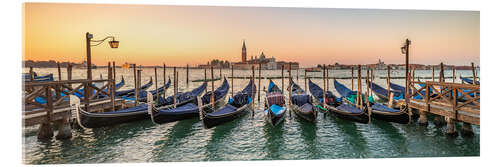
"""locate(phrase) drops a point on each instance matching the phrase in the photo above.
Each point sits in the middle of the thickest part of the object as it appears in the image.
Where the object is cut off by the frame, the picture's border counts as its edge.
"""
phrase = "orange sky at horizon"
(180, 35)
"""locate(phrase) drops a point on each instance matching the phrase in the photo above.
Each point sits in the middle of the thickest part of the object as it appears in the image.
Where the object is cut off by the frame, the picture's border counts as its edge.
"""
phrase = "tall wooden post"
(164, 80)
(283, 76)
(187, 75)
(253, 89)
(111, 84)
(289, 85)
(114, 76)
(352, 77)
(220, 73)
(212, 99)
(473, 74)
(156, 85)
(454, 71)
(88, 36)
(59, 70)
(32, 77)
(135, 83)
(258, 88)
(324, 86)
(359, 96)
(175, 87)
(327, 83)
(407, 51)
(441, 72)
(305, 81)
(138, 85)
(432, 73)
(206, 90)
(232, 78)
(388, 80)
(69, 70)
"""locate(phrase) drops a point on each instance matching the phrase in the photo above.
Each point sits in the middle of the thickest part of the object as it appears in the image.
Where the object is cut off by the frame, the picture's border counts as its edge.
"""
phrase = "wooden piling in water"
(253, 97)
(32, 77)
(432, 73)
(59, 70)
(305, 81)
(212, 98)
(187, 75)
(220, 73)
(164, 80)
(324, 86)
(113, 87)
(156, 85)
(175, 87)
(138, 84)
(289, 87)
(282, 76)
(258, 88)
(352, 77)
(360, 101)
(454, 76)
(206, 90)
(232, 77)
(135, 83)
(440, 120)
(327, 83)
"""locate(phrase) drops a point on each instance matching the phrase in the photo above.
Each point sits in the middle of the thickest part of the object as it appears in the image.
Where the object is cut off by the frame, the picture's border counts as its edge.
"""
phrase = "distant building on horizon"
(266, 63)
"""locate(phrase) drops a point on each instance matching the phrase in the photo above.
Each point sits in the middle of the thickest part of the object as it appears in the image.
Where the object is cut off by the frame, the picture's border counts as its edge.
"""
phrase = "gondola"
(95, 120)
(237, 106)
(469, 81)
(131, 92)
(275, 104)
(336, 106)
(377, 110)
(187, 110)
(382, 93)
(301, 104)
(44, 78)
(142, 95)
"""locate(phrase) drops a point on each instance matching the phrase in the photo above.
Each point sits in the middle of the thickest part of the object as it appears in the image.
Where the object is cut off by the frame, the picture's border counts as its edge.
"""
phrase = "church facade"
(265, 62)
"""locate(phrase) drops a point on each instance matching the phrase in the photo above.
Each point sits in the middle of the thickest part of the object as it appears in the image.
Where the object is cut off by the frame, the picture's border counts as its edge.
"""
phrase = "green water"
(247, 138)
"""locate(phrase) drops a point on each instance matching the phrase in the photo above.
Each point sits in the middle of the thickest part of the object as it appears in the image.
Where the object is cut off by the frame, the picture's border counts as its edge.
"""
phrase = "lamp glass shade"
(114, 44)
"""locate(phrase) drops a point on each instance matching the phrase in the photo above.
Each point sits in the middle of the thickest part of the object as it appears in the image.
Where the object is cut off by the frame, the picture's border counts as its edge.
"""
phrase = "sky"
(180, 35)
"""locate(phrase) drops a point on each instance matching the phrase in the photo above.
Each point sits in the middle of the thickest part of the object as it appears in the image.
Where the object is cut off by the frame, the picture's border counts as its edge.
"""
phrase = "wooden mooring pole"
(232, 78)
(156, 85)
(324, 86)
(206, 90)
(164, 81)
(138, 85)
(352, 77)
(135, 83)
(289, 86)
(282, 76)
(175, 87)
(258, 88)
(59, 70)
(327, 83)
(305, 81)
(212, 98)
(466, 129)
(187, 75)
(253, 89)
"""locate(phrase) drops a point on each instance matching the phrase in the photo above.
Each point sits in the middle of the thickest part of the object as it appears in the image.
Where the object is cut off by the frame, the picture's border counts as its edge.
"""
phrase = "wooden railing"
(463, 98)
(61, 90)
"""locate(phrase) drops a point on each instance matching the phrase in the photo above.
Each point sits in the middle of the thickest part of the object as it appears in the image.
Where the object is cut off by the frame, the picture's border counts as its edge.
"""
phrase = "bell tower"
(244, 52)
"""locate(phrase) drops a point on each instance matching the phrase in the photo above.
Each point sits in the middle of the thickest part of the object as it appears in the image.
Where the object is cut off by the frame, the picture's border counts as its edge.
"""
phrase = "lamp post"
(88, 36)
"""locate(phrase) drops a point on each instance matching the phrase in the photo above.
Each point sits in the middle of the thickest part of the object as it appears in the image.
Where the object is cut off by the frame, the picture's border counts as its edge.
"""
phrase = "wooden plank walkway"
(39, 116)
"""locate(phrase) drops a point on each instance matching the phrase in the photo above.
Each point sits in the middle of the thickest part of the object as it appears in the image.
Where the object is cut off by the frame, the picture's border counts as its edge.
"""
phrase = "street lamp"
(88, 36)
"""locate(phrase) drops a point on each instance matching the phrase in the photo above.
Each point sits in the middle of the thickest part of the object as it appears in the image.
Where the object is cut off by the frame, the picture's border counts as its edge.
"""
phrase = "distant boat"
(125, 66)
(314, 69)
